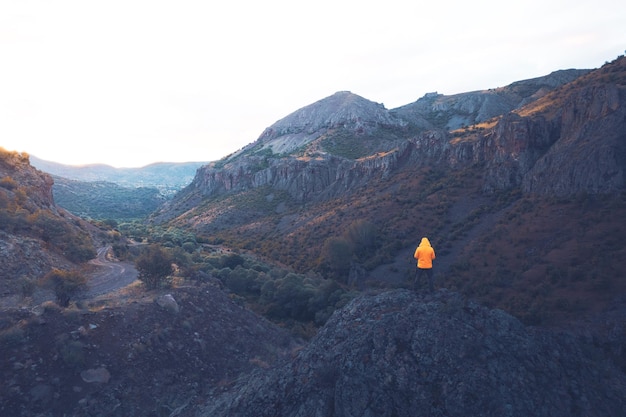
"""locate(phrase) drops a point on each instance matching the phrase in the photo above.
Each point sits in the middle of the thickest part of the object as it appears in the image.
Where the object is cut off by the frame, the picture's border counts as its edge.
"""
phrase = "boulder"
(168, 302)
(99, 375)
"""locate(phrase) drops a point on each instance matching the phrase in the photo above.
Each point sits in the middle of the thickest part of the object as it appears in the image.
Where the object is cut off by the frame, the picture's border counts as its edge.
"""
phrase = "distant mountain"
(166, 176)
(103, 192)
(340, 142)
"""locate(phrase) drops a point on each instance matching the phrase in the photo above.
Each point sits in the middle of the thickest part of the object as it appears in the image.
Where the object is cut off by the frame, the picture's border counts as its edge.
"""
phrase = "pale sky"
(131, 82)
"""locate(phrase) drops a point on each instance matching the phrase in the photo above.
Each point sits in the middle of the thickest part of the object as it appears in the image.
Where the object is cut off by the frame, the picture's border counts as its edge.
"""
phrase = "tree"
(336, 257)
(154, 265)
(363, 236)
(66, 284)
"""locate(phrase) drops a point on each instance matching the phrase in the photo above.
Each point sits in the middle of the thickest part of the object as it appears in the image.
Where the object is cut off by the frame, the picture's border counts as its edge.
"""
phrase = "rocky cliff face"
(402, 354)
(568, 142)
(305, 179)
(590, 152)
(530, 133)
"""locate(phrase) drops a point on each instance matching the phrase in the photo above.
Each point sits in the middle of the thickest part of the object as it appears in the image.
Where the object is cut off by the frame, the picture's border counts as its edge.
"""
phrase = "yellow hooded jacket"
(424, 254)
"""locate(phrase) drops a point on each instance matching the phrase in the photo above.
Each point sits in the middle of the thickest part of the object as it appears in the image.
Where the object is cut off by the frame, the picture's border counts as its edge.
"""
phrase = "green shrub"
(154, 266)
(231, 261)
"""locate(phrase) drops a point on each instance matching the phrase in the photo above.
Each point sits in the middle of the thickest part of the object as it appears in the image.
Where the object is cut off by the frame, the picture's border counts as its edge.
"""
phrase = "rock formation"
(402, 354)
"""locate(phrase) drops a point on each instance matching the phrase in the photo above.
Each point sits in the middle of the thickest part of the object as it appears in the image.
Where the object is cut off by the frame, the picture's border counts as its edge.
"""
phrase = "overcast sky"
(131, 82)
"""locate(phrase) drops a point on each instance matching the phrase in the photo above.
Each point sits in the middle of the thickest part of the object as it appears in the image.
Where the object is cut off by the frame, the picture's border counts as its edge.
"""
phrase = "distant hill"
(103, 192)
(166, 176)
(106, 200)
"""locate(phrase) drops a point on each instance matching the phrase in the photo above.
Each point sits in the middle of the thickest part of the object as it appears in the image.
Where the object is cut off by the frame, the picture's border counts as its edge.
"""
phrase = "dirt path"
(110, 275)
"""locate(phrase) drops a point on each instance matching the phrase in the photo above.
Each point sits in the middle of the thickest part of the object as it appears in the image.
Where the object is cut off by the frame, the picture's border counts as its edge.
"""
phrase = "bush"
(66, 284)
(337, 256)
(27, 286)
(8, 183)
(231, 261)
(154, 265)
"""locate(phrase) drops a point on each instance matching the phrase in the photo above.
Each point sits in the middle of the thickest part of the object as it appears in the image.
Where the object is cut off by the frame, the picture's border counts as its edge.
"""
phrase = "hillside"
(437, 111)
(35, 234)
(536, 189)
(103, 192)
(106, 200)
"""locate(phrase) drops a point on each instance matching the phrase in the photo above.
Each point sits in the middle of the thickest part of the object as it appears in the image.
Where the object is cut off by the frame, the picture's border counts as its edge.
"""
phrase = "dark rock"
(401, 354)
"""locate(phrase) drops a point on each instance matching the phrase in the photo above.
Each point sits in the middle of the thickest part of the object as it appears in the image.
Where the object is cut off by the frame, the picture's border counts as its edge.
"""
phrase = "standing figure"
(425, 254)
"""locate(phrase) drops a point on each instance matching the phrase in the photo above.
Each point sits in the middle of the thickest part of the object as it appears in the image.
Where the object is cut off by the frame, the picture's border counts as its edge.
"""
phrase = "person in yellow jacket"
(425, 254)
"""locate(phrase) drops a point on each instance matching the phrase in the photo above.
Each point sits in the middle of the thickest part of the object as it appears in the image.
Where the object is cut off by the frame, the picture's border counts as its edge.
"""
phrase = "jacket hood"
(425, 242)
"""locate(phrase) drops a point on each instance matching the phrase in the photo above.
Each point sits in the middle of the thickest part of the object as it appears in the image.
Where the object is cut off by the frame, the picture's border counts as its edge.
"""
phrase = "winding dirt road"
(111, 275)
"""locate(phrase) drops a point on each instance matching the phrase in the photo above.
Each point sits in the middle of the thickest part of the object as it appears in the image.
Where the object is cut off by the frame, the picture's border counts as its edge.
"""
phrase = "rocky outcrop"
(590, 153)
(304, 179)
(402, 354)
(15, 169)
(558, 145)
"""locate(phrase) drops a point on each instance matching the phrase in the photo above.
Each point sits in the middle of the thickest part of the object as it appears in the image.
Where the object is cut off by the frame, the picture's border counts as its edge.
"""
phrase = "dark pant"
(429, 274)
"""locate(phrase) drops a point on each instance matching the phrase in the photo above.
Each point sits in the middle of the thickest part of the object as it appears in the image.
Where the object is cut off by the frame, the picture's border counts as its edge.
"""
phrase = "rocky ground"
(195, 351)
(402, 354)
(131, 353)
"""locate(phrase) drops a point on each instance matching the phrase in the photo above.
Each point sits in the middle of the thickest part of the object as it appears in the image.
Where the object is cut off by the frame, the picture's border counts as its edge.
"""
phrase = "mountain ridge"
(345, 154)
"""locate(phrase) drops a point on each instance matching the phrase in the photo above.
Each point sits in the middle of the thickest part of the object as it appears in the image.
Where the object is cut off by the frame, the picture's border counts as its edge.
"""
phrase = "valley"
(288, 262)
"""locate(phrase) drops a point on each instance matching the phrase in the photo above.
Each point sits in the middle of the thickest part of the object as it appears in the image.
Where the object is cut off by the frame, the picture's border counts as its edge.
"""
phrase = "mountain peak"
(343, 109)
